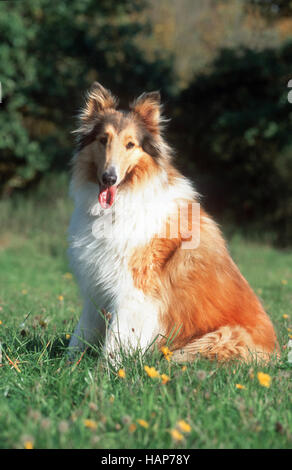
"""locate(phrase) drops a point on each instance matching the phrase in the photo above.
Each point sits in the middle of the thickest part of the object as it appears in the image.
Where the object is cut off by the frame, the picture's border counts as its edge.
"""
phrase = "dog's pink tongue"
(106, 196)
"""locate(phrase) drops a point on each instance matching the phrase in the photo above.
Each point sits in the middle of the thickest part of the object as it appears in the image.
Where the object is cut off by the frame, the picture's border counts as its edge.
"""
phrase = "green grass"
(45, 401)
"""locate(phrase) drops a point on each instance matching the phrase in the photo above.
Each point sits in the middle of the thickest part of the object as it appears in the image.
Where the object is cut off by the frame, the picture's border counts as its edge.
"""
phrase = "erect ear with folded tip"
(148, 106)
(98, 99)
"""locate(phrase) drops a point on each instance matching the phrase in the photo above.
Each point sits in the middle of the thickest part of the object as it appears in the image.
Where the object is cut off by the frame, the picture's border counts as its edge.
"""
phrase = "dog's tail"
(228, 342)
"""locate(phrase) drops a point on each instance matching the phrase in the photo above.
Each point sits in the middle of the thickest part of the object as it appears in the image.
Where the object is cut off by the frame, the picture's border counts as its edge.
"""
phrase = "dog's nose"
(109, 177)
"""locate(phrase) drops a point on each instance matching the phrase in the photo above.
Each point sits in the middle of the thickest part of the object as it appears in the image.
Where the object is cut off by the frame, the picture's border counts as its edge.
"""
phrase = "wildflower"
(93, 406)
(251, 373)
(89, 423)
(184, 368)
(28, 445)
(45, 423)
(43, 323)
(132, 427)
(201, 374)
(176, 435)
(184, 427)
(61, 298)
(143, 423)
(24, 291)
(34, 415)
(27, 441)
(111, 399)
(122, 373)
(63, 426)
(126, 419)
(284, 282)
(152, 372)
(68, 336)
(166, 352)
(103, 419)
(68, 276)
(95, 440)
(285, 316)
(240, 387)
(264, 379)
(0, 322)
(165, 378)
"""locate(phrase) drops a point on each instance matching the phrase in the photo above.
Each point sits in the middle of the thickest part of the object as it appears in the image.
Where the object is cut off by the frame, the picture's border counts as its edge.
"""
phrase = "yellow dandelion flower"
(0, 322)
(176, 435)
(288, 329)
(184, 427)
(122, 373)
(165, 378)
(184, 368)
(89, 423)
(285, 316)
(61, 298)
(240, 387)
(143, 423)
(284, 282)
(152, 372)
(28, 445)
(264, 379)
(132, 427)
(68, 276)
(68, 336)
(24, 291)
(166, 352)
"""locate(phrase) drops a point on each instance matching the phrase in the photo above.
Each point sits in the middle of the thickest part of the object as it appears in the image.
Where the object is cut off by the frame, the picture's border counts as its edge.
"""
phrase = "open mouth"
(107, 196)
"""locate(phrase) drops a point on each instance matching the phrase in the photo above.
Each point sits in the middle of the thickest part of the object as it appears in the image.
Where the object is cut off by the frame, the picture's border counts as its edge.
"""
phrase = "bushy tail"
(228, 342)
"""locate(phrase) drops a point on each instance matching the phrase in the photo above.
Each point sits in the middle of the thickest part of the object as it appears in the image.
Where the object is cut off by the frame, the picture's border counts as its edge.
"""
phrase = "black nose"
(109, 177)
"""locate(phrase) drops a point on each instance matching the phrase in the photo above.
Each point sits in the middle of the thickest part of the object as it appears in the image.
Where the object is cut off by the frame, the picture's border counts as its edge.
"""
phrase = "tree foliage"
(236, 123)
(231, 124)
(272, 9)
(50, 53)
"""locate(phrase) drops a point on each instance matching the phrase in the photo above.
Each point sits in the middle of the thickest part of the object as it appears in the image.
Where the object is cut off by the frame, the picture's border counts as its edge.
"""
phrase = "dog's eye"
(103, 140)
(130, 145)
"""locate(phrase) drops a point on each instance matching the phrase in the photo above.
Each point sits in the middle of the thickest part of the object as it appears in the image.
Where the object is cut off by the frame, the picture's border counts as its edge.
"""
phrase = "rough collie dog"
(151, 264)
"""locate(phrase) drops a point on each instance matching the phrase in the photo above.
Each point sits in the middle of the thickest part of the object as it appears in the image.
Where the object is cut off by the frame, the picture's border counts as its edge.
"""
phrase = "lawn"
(47, 403)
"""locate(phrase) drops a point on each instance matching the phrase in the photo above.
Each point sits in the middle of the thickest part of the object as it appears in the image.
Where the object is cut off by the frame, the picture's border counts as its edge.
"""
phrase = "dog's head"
(115, 147)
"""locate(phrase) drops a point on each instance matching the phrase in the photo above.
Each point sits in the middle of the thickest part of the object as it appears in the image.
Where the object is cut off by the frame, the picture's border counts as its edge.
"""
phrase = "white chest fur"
(101, 243)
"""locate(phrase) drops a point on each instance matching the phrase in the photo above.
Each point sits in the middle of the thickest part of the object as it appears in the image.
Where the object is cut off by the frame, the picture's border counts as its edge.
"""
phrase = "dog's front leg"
(134, 327)
(90, 329)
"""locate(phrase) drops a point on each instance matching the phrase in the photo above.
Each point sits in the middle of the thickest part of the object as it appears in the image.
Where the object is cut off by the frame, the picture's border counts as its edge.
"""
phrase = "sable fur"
(153, 287)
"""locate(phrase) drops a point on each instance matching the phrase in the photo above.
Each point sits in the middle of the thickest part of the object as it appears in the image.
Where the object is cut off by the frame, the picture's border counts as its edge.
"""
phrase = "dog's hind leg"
(228, 342)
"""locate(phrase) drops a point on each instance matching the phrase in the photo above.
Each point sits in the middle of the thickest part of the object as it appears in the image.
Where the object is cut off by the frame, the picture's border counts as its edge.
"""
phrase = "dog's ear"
(98, 99)
(148, 107)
